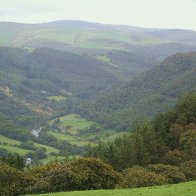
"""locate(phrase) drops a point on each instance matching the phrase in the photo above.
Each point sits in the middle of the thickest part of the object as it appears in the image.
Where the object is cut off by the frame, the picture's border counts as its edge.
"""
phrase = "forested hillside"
(156, 153)
(151, 92)
(169, 138)
(52, 71)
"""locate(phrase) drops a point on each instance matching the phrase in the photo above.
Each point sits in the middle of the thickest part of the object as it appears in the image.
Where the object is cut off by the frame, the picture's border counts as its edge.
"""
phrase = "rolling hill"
(151, 92)
(69, 33)
(47, 71)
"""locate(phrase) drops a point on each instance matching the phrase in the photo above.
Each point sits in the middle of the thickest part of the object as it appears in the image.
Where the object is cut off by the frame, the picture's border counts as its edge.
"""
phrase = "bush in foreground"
(189, 169)
(171, 173)
(80, 174)
(140, 177)
(13, 181)
(95, 173)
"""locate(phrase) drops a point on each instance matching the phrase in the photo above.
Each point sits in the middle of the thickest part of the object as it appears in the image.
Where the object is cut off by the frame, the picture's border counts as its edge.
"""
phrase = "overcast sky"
(144, 13)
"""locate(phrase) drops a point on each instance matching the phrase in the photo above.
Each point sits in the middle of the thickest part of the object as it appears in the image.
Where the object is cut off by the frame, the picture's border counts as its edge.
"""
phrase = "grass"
(57, 98)
(52, 158)
(9, 141)
(62, 136)
(48, 148)
(12, 147)
(75, 140)
(71, 126)
(75, 121)
(184, 189)
(15, 149)
(103, 58)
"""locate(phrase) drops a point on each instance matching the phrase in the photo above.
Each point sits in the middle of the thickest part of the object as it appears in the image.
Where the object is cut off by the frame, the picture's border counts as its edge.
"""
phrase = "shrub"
(63, 178)
(175, 157)
(95, 174)
(29, 145)
(171, 173)
(3, 152)
(41, 175)
(14, 160)
(189, 169)
(12, 180)
(80, 174)
(140, 177)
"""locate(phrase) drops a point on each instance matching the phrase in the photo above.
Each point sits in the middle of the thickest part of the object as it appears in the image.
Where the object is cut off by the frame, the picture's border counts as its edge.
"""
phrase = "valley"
(97, 97)
(86, 83)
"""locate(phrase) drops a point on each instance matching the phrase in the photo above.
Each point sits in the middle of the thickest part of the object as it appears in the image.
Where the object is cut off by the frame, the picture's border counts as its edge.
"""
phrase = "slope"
(149, 93)
(48, 71)
(63, 34)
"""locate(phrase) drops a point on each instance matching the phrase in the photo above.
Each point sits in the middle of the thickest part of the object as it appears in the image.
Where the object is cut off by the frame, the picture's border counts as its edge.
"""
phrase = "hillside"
(157, 152)
(48, 70)
(36, 87)
(68, 33)
(53, 71)
(151, 92)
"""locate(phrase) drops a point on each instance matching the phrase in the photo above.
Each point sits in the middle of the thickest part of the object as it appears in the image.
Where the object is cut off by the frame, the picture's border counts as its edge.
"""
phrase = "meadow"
(184, 189)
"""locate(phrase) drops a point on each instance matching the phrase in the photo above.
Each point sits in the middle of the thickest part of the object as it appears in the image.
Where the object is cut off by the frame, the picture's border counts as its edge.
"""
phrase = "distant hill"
(50, 71)
(71, 33)
(149, 93)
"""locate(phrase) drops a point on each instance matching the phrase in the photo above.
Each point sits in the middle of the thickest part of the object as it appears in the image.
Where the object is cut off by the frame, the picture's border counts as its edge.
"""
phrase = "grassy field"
(71, 124)
(57, 98)
(182, 189)
(7, 140)
(75, 121)
(48, 148)
(71, 130)
(12, 146)
(15, 149)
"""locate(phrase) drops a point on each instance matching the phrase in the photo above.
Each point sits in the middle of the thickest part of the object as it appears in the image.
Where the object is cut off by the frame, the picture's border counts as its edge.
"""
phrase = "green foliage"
(175, 157)
(140, 177)
(189, 169)
(3, 152)
(171, 173)
(80, 174)
(147, 94)
(29, 145)
(14, 160)
(188, 142)
(162, 140)
(10, 180)
(38, 153)
(95, 173)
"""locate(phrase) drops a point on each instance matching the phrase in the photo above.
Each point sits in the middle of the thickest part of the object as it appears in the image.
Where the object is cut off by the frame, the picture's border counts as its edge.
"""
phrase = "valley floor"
(184, 189)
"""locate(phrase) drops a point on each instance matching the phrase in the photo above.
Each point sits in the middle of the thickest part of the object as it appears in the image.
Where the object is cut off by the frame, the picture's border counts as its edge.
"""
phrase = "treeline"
(159, 152)
(168, 139)
(85, 174)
